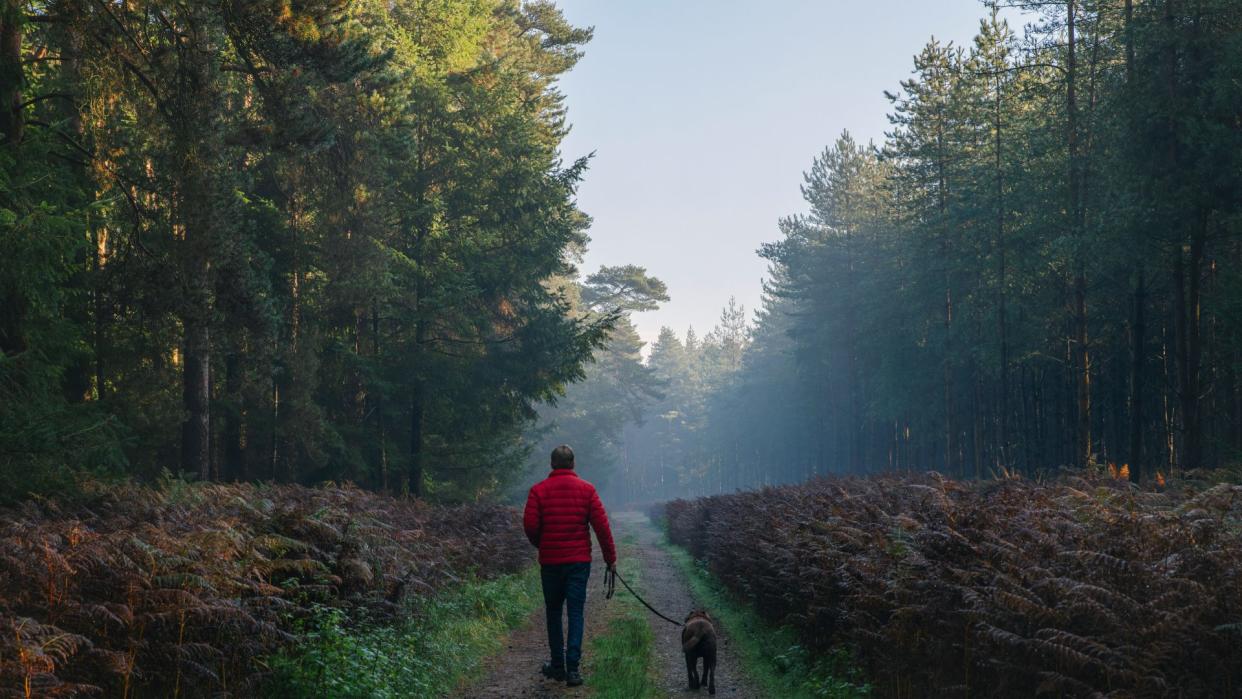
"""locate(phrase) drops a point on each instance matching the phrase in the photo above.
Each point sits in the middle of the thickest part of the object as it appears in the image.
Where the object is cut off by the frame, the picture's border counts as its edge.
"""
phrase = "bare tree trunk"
(196, 381)
(1138, 328)
(1138, 331)
(12, 78)
(274, 447)
(1082, 357)
(418, 393)
(950, 462)
(1003, 456)
(195, 134)
(1181, 347)
(977, 446)
(196, 217)
(101, 310)
(381, 439)
(233, 468)
(416, 439)
(1189, 354)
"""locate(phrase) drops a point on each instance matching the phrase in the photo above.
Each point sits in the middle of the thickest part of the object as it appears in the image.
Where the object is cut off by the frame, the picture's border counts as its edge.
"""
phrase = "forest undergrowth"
(189, 590)
(422, 655)
(1077, 587)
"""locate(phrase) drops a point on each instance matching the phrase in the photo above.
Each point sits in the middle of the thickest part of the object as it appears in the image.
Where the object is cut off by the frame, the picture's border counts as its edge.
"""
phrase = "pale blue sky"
(704, 114)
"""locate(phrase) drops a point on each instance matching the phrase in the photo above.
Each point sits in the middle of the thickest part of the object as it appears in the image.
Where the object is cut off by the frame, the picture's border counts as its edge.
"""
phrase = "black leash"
(610, 583)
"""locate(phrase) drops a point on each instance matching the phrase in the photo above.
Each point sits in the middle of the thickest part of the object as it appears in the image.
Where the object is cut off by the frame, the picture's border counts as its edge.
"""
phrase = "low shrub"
(423, 654)
(184, 590)
(1082, 587)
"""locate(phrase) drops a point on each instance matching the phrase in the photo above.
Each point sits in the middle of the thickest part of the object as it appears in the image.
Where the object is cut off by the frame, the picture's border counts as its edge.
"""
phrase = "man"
(558, 509)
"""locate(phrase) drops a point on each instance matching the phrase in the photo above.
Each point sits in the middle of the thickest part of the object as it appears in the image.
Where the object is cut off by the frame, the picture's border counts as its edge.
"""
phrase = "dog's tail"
(688, 643)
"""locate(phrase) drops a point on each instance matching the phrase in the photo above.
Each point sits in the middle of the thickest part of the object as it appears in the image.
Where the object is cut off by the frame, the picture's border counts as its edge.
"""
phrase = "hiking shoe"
(552, 672)
(572, 678)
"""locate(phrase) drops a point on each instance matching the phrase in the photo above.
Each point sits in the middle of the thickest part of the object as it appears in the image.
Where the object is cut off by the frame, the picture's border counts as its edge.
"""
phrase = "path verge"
(666, 589)
(770, 655)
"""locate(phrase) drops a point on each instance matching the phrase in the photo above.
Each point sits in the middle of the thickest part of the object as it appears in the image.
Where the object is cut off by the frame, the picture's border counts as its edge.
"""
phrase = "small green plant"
(425, 655)
(621, 660)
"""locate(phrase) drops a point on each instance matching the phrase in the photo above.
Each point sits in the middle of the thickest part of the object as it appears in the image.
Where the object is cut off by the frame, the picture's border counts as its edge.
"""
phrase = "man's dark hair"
(563, 457)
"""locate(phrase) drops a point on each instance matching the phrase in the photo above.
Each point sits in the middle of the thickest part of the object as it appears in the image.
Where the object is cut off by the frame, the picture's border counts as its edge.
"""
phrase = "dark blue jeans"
(565, 583)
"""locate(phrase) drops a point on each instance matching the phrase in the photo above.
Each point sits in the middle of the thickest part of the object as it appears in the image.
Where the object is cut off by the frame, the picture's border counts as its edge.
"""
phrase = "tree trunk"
(418, 399)
(12, 78)
(1137, 353)
(416, 440)
(233, 468)
(1082, 357)
(196, 383)
(102, 312)
(950, 462)
(1137, 327)
(197, 221)
(1190, 349)
(274, 446)
(1003, 456)
(381, 439)
(195, 215)
(12, 306)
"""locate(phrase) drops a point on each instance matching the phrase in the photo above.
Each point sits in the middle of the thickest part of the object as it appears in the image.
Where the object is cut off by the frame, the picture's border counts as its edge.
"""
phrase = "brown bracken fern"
(142, 592)
(1080, 587)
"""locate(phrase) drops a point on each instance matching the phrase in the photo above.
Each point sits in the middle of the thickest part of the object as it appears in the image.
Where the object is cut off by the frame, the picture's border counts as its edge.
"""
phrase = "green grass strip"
(422, 656)
(770, 655)
(622, 660)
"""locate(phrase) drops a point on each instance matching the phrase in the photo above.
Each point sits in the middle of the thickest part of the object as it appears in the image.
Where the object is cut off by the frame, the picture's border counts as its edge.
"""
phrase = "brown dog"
(698, 640)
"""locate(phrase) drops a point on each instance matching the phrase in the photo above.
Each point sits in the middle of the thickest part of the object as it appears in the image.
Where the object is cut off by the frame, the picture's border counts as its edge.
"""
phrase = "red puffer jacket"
(557, 512)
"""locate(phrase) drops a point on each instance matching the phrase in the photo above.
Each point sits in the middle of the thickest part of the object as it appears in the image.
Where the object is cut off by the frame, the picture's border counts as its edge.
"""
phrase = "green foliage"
(626, 288)
(617, 388)
(303, 242)
(45, 431)
(434, 645)
(621, 660)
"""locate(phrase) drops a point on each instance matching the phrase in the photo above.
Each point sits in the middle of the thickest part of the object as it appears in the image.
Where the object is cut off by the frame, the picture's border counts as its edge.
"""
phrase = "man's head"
(563, 457)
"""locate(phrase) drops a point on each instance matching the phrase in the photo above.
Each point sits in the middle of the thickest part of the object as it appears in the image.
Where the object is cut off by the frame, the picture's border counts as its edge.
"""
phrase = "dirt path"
(515, 672)
(665, 589)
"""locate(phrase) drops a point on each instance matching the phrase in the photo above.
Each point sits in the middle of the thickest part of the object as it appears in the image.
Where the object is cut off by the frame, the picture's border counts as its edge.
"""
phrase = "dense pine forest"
(1037, 269)
(290, 241)
(294, 303)
(338, 241)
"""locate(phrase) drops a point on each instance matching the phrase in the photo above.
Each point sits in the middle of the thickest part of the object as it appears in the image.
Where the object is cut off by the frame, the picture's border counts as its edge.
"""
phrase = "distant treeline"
(293, 241)
(1039, 267)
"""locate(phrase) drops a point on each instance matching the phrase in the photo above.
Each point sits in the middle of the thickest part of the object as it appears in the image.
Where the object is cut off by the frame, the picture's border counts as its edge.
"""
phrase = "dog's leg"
(692, 670)
(709, 671)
